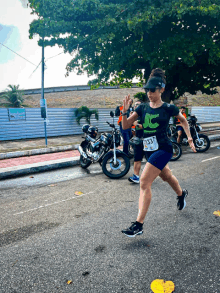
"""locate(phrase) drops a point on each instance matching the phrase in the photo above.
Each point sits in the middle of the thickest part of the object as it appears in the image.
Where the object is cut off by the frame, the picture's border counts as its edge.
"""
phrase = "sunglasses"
(151, 90)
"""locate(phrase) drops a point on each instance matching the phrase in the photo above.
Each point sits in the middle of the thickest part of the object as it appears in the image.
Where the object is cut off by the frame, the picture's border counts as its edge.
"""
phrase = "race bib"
(150, 144)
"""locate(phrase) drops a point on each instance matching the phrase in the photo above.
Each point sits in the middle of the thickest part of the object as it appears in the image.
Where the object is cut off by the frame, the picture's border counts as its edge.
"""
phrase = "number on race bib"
(150, 144)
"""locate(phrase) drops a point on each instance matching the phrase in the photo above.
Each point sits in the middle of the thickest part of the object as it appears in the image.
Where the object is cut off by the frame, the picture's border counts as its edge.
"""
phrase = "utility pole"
(42, 94)
(43, 101)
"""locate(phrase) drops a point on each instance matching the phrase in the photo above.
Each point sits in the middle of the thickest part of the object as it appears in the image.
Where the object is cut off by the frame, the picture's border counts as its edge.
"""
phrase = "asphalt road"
(49, 235)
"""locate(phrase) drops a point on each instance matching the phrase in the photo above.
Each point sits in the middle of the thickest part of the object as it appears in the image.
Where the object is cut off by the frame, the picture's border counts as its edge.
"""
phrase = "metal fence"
(62, 121)
(206, 114)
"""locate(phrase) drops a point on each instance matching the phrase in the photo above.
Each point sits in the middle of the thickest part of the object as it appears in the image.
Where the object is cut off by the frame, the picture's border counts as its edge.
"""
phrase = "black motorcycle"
(115, 164)
(177, 151)
(201, 141)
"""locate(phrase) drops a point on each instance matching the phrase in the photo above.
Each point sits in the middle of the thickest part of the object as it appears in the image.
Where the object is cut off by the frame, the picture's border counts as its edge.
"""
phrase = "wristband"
(124, 113)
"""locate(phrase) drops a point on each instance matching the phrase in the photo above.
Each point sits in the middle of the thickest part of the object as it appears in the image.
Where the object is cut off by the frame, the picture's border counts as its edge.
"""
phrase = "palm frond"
(13, 95)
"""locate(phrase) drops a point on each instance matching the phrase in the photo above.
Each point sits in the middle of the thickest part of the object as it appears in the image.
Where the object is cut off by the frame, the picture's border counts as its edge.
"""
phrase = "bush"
(84, 112)
(141, 97)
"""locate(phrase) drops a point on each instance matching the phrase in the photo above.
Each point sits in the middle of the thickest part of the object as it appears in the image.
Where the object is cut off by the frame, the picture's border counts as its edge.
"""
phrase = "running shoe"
(134, 179)
(135, 229)
(181, 200)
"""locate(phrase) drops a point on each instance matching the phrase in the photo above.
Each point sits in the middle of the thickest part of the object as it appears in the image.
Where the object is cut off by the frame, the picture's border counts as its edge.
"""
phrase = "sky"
(15, 18)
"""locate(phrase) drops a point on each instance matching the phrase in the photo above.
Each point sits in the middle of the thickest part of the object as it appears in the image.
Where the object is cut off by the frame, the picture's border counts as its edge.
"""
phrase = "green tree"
(84, 112)
(13, 96)
(141, 97)
(118, 40)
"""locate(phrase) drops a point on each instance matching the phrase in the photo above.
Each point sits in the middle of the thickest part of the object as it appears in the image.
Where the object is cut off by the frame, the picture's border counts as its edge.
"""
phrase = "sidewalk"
(18, 158)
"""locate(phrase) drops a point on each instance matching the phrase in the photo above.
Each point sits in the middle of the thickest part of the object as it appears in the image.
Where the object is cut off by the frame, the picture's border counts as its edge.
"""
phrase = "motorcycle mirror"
(112, 114)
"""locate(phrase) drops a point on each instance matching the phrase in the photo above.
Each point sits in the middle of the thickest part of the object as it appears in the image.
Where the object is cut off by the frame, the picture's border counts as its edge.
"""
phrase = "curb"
(13, 172)
(33, 152)
(214, 137)
(18, 171)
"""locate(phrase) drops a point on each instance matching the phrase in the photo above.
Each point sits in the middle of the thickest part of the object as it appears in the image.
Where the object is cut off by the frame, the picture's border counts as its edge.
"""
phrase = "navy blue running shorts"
(159, 158)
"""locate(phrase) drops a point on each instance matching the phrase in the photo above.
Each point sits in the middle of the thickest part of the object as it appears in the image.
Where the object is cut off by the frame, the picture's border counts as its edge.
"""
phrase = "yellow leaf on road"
(217, 213)
(78, 193)
(69, 282)
(161, 286)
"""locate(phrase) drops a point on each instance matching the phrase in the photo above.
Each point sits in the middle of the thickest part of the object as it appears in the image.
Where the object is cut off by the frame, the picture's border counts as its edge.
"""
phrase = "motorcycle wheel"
(177, 151)
(203, 145)
(84, 163)
(130, 151)
(116, 171)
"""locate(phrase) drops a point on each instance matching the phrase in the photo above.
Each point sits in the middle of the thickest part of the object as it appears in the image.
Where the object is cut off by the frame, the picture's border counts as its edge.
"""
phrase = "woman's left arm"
(185, 126)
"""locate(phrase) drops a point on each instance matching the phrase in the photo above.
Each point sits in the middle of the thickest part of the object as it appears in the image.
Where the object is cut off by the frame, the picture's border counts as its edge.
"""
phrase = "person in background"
(126, 133)
(179, 125)
(138, 149)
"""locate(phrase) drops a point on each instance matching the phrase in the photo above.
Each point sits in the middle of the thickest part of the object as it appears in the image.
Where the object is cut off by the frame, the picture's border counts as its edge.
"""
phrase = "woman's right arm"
(127, 122)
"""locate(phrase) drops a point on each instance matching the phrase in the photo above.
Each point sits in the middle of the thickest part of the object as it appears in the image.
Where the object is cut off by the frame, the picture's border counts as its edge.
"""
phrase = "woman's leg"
(148, 175)
(167, 176)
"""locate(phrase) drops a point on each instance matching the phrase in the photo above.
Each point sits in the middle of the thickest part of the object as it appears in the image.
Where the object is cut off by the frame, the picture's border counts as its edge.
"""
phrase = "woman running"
(158, 149)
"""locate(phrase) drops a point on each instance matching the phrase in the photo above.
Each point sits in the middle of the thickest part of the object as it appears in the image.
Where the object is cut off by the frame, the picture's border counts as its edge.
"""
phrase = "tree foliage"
(84, 112)
(121, 39)
(13, 96)
(141, 97)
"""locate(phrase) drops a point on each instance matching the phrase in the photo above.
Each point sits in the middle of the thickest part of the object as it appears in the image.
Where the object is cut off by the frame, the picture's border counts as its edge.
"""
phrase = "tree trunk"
(168, 95)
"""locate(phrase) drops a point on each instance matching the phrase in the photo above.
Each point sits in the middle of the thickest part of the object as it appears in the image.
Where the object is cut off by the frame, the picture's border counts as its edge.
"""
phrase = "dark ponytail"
(158, 72)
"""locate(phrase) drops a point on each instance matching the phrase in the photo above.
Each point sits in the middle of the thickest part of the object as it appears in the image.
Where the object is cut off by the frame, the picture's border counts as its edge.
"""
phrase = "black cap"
(154, 82)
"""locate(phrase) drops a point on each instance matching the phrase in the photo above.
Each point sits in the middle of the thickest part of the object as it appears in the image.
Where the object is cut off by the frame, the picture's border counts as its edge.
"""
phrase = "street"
(50, 235)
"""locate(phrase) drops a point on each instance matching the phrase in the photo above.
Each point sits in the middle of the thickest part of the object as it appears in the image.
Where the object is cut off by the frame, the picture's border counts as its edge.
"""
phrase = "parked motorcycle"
(201, 141)
(177, 151)
(115, 164)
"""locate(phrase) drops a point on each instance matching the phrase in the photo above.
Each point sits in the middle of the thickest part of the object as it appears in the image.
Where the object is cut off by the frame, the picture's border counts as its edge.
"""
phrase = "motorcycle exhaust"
(80, 149)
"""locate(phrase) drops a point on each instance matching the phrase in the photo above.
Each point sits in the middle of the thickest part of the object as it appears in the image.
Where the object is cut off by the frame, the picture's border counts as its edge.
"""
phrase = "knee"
(166, 177)
(144, 184)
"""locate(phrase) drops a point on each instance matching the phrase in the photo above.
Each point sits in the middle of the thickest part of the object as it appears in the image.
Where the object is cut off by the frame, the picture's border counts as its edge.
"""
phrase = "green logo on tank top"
(148, 122)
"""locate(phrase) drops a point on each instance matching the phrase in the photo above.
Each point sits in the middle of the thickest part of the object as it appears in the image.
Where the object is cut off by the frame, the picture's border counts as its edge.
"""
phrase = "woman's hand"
(191, 144)
(126, 103)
